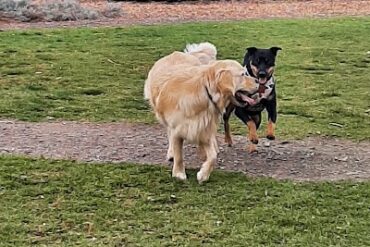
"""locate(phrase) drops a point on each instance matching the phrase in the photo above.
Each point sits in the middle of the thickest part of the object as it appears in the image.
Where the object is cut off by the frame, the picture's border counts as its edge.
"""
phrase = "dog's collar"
(211, 99)
(270, 83)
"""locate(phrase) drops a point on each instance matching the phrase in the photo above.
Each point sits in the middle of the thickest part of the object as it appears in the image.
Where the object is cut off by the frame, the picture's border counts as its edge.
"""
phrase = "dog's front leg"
(272, 116)
(207, 167)
(178, 169)
(252, 121)
(252, 136)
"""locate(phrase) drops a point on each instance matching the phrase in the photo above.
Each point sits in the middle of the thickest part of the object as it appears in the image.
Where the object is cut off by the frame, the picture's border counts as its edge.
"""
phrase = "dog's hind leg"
(178, 169)
(207, 167)
(226, 118)
(170, 147)
(201, 153)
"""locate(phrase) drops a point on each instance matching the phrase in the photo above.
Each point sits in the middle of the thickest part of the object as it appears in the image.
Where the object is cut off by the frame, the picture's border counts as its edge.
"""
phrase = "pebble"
(344, 159)
(267, 144)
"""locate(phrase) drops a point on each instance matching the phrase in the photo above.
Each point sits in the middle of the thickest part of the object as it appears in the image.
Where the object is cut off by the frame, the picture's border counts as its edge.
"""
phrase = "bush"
(54, 10)
(112, 10)
(66, 11)
(13, 8)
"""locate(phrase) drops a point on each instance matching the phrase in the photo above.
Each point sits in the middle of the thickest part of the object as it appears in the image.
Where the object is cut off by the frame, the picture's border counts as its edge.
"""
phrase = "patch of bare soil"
(310, 159)
(154, 13)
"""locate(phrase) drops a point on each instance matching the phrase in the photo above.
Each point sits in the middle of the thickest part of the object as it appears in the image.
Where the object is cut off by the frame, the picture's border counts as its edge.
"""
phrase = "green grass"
(62, 203)
(97, 74)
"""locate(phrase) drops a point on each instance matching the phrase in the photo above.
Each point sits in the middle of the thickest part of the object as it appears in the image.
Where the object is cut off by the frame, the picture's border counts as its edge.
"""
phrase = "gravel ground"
(310, 159)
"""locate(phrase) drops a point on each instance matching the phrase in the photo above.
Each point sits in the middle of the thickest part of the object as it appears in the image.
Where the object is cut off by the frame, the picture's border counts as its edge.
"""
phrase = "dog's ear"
(275, 49)
(251, 50)
(224, 80)
(223, 75)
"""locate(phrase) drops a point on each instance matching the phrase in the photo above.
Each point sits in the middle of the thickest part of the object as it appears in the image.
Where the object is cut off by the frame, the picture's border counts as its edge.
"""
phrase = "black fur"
(262, 60)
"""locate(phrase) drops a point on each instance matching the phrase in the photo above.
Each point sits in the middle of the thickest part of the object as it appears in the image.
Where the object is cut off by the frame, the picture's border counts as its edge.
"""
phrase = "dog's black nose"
(262, 74)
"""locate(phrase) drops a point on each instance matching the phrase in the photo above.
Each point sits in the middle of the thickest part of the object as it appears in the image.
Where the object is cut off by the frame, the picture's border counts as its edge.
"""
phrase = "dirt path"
(154, 13)
(309, 159)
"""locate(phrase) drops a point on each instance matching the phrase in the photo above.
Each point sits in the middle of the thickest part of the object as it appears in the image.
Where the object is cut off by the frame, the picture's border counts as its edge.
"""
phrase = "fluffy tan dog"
(188, 93)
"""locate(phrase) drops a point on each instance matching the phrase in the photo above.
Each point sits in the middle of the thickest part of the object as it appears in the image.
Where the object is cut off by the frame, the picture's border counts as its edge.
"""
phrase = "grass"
(61, 203)
(97, 74)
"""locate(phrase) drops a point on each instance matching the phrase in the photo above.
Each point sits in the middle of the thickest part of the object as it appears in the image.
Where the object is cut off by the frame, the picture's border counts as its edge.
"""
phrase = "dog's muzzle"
(243, 98)
(262, 77)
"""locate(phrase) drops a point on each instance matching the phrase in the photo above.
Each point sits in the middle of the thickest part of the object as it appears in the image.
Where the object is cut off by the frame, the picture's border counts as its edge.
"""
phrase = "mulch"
(161, 12)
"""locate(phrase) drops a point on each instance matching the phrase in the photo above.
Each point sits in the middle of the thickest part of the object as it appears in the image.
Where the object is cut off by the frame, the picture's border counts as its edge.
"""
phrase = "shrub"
(13, 8)
(54, 10)
(112, 10)
(66, 11)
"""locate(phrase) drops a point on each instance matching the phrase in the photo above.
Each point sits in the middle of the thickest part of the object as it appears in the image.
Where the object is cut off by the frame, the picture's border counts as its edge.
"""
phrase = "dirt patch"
(309, 159)
(154, 13)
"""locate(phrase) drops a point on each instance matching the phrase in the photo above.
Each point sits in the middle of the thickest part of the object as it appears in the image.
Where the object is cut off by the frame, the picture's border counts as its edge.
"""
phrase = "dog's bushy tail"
(205, 51)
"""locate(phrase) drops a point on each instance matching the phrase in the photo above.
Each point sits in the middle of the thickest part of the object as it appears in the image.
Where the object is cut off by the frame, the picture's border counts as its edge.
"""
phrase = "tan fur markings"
(254, 70)
(228, 139)
(252, 148)
(252, 136)
(270, 71)
(270, 130)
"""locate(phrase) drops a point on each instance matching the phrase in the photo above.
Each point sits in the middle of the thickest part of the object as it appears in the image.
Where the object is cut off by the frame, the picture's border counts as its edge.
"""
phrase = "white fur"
(206, 52)
(201, 47)
(179, 175)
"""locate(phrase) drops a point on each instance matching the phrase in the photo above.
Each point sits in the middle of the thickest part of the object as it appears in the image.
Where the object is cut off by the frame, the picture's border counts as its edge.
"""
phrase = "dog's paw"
(252, 148)
(270, 137)
(179, 175)
(254, 141)
(228, 141)
(270, 134)
(202, 176)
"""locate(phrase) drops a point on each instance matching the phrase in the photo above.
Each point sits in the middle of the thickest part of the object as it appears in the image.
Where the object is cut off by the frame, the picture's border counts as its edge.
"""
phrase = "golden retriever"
(188, 92)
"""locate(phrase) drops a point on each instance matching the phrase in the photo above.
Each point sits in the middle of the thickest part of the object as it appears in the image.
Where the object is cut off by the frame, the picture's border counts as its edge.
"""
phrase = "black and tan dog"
(260, 63)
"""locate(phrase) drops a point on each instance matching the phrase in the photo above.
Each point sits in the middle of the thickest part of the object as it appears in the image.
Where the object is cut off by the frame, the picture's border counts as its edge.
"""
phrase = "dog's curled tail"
(205, 51)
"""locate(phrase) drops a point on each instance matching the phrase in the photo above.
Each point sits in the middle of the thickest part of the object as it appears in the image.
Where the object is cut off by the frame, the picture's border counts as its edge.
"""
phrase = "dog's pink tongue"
(250, 101)
(262, 80)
